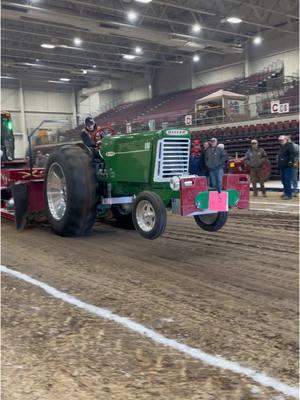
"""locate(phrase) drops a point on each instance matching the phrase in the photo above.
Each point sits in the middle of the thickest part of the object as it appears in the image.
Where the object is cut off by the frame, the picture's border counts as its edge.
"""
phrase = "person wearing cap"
(254, 158)
(215, 158)
(286, 162)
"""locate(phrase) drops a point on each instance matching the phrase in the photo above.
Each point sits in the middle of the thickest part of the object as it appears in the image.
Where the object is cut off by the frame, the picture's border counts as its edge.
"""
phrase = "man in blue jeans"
(286, 159)
(296, 167)
(215, 158)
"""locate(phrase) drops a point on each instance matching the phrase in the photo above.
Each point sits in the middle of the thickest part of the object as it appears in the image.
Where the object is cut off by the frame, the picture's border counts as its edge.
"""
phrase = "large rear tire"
(70, 192)
(149, 215)
(211, 222)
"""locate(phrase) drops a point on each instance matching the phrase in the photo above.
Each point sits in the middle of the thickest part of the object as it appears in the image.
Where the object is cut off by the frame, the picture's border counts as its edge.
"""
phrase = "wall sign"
(128, 127)
(276, 107)
(188, 119)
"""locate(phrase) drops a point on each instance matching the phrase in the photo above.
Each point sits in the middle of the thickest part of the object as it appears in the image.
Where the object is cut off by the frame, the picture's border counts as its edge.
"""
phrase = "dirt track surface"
(232, 293)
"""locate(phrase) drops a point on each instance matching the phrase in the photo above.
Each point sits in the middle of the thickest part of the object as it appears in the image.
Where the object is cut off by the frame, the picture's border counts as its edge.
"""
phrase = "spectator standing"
(286, 162)
(195, 157)
(295, 168)
(215, 158)
(202, 160)
(254, 158)
(226, 165)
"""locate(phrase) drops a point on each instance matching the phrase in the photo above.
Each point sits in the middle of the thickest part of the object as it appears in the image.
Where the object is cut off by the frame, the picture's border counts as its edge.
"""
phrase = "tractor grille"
(172, 158)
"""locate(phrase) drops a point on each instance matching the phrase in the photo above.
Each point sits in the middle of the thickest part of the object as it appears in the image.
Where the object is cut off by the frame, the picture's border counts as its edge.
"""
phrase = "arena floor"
(231, 296)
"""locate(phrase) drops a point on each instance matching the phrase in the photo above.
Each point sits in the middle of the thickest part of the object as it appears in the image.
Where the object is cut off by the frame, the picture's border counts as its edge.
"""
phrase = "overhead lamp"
(129, 56)
(196, 28)
(132, 16)
(143, 1)
(138, 50)
(47, 46)
(196, 58)
(77, 41)
(257, 40)
(94, 66)
(234, 20)
(84, 71)
(64, 79)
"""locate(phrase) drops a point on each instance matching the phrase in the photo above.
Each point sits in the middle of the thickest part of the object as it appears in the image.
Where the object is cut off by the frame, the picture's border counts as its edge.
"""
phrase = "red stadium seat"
(258, 128)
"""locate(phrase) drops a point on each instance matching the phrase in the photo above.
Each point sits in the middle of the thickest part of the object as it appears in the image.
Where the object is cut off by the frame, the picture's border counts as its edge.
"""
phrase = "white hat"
(282, 137)
(254, 141)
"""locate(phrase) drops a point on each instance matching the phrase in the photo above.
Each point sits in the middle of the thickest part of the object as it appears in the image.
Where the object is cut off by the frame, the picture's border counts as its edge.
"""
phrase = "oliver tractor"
(137, 176)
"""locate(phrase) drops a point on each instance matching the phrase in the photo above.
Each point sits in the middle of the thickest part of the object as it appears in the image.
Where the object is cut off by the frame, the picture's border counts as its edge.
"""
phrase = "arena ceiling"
(85, 42)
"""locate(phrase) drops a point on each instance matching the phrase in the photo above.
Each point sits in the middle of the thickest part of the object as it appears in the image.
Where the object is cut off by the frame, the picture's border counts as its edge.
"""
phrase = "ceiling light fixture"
(196, 28)
(234, 20)
(257, 40)
(94, 66)
(138, 50)
(132, 16)
(196, 58)
(48, 46)
(84, 71)
(129, 56)
(143, 1)
(77, 41)
(65, 79)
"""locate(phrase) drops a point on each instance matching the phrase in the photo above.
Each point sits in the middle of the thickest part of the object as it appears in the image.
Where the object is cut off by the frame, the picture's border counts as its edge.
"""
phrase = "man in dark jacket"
(215, 158)
(89, 134)
(255, 157)
(286, 159)
(202, 159)
(195, 157)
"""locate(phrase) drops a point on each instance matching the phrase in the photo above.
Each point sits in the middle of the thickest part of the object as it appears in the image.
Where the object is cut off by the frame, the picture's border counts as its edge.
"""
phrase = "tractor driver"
(90, 135)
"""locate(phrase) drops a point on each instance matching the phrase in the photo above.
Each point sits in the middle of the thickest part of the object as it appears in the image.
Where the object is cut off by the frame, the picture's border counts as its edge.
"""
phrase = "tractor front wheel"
(70, 192)
(211, 222)
(149, 215)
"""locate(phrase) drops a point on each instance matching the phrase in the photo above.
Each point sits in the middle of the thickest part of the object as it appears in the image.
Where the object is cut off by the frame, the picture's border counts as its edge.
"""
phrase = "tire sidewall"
(80, 194)
(216, 225)
(160, 215)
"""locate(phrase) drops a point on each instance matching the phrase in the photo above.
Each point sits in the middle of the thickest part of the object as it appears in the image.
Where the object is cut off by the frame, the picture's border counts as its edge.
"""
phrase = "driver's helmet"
(90, 124)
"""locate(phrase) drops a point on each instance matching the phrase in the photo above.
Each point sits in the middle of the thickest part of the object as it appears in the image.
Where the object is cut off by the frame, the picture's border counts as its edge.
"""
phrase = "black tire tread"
(161, 215)
(81, 187)
(214, 227)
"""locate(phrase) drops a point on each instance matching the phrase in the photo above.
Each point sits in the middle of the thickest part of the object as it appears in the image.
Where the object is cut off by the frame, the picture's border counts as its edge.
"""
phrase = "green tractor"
(138, 177)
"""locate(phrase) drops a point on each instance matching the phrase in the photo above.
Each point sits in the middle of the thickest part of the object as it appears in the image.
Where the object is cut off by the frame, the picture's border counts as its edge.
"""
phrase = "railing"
(254, 112)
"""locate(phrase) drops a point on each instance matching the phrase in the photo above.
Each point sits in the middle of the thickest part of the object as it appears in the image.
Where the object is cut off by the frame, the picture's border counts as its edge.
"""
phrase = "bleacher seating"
(237, 138)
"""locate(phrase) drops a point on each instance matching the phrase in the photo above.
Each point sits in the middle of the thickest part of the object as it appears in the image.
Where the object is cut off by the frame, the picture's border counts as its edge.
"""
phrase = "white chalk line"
(215, 361)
